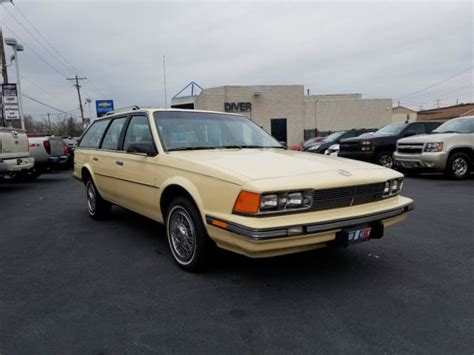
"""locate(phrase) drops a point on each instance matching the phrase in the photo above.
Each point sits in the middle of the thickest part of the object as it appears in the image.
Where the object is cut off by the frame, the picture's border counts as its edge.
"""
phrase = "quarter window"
(138, 134)
(112, 136)
(94, 134)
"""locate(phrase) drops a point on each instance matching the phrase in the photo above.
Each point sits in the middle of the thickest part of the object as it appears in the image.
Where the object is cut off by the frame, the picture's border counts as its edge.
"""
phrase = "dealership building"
(286, 112)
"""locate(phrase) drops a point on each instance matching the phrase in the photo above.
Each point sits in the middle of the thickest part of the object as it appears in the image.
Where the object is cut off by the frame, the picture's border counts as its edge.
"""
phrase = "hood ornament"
(344, 172)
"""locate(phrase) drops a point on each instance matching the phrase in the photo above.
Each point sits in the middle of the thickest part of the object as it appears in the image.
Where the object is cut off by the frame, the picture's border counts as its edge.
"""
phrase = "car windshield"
(458, 125)
(310, 141)
(333, 137)
(391, 129)
(180, 130)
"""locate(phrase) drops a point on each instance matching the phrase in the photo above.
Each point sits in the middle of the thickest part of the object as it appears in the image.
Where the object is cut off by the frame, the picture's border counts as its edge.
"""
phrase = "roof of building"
(402, 109)
(446, 113)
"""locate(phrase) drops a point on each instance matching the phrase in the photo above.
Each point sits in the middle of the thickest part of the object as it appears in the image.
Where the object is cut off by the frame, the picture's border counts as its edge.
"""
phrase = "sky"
(412, 52)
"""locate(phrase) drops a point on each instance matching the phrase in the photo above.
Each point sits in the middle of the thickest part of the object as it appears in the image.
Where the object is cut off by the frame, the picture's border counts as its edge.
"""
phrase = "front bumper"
(425, 161)
(16, 165)
(279, 240)
(368, 156)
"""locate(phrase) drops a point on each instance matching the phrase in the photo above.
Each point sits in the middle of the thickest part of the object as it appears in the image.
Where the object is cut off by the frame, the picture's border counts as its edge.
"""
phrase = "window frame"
(125, 129)
(101, 138)
(120, 136)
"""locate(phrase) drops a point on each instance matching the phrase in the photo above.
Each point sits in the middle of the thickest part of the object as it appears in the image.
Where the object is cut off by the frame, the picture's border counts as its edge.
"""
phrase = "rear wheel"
(385, 159)
(97, 207)
(458, 166)
(189, 243)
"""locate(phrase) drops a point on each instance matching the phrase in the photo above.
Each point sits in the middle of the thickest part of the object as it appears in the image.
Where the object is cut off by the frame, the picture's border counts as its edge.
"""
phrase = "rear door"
(13, 144)
(136, 172)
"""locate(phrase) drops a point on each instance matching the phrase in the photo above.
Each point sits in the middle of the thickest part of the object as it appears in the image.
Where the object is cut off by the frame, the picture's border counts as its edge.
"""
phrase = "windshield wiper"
(191, 148)
(249, 146)
(436, 132)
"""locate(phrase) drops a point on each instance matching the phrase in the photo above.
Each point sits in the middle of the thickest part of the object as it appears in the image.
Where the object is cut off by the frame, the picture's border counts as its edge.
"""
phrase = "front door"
(279, 129)
(136, 172)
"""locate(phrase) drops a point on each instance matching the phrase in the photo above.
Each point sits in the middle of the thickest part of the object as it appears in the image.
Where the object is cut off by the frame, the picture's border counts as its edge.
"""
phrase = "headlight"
(434, 147)
(275, 202)
(392, 187)
(314, 147)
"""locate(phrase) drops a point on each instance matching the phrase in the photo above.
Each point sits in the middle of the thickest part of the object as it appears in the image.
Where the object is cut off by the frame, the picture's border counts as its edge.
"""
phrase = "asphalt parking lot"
(73, 285)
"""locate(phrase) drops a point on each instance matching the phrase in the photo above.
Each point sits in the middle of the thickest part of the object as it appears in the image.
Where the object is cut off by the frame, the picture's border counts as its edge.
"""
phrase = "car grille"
(349, 146)
(346, 196)
(414, 148)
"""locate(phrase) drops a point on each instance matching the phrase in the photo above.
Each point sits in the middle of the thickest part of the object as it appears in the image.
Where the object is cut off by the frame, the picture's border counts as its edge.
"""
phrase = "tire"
(97, 207)
(31, 174)
(189, 243)
(458, 166)
(385, 159)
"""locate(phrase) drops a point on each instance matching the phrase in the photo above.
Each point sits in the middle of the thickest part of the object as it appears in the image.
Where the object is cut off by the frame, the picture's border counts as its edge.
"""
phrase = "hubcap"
(91, 198)
(459, 166)
(181, 234)
(386, 161)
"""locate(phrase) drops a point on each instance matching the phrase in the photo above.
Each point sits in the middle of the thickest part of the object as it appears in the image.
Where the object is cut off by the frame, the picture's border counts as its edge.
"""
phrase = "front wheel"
(458, 166)
(385, 159)
(97, 207)
(187, 237)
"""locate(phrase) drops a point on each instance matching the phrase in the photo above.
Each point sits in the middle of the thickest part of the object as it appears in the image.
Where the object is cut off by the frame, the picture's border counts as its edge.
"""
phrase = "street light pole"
(18, 85)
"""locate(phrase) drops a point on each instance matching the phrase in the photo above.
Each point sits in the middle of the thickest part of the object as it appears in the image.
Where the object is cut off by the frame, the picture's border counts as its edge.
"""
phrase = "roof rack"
(123, 109)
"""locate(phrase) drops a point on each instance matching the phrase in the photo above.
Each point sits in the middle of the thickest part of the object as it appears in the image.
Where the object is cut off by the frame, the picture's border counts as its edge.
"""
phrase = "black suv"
(380, 146)
(334, 138)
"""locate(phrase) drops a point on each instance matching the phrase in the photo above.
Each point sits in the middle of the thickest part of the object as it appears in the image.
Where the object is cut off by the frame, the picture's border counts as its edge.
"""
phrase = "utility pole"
(78, 87)
(49, 122)
(4, 63)
(437, 103)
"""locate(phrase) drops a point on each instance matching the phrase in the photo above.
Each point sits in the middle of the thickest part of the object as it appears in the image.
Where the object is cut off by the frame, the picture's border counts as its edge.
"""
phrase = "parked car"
(311, 141)
(334, 138)
(217, 179)
(15, 158)
(334, 149)
(71, 145)
(450, 148)
(380, 146)
(49, 152)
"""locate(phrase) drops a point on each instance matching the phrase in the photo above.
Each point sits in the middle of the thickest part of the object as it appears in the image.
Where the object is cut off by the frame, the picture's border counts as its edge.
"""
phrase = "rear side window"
(112, 136)
(94, 134)
(418, 128)
(138, 134)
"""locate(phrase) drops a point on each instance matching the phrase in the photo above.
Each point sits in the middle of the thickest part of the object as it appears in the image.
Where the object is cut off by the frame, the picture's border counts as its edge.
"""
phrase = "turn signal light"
(247, 202)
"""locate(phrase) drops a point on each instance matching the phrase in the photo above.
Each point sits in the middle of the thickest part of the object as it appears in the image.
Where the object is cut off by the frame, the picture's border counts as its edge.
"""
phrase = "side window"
(112, 136)
(418, 128)
(138, 137)
(94, 134)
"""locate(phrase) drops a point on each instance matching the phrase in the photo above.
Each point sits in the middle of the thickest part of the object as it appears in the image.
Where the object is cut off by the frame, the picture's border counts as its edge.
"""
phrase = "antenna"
(164, 80)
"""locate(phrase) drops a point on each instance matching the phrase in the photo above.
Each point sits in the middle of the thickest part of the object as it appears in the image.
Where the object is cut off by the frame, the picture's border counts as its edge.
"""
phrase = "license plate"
(358, 234)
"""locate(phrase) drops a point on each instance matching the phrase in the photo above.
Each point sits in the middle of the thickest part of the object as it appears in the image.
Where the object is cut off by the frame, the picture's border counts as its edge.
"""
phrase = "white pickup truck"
(49, 152)
(15, 158)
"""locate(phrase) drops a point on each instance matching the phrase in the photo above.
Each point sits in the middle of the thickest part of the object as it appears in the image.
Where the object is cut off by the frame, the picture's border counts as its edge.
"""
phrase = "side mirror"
(146, 149)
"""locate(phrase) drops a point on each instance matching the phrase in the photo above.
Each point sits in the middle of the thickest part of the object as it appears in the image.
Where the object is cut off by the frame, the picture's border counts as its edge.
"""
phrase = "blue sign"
(103, 106)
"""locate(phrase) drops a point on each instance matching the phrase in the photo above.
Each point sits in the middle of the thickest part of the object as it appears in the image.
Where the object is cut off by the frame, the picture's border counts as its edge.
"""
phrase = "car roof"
(161, 109)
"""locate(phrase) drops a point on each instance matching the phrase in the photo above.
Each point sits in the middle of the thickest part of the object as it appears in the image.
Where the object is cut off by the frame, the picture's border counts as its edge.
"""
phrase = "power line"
(47, 105)
(34, 52)
(429, 87)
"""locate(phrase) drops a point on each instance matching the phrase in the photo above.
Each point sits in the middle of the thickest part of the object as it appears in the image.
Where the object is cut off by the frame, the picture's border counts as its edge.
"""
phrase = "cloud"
(378, 49)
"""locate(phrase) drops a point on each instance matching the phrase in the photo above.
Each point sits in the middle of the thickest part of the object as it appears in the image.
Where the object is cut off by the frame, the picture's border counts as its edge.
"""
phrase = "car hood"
(258, 164)
(425, 138)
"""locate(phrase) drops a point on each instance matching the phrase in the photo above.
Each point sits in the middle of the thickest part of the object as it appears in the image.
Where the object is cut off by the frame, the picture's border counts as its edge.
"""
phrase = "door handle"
(95, 159)
(119, 162)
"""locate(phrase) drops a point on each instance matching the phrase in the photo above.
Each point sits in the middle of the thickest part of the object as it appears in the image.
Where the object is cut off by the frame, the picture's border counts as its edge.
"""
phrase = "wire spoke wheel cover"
(91, 198)
(459, 166)
(181, 235)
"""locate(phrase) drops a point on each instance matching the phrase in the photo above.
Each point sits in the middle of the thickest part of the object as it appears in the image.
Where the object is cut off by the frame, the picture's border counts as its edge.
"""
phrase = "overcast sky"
(382, 50)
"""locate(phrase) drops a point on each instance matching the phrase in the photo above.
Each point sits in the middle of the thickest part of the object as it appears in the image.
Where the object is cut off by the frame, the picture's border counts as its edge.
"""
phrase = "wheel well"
(86, 175)
(468, 151)
(169, 194)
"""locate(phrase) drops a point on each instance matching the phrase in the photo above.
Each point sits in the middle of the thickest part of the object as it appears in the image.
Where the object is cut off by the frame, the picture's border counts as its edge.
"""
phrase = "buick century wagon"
(218, 179)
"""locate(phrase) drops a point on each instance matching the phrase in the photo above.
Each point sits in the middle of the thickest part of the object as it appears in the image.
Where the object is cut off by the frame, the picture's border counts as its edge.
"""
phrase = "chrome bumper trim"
(310, 228)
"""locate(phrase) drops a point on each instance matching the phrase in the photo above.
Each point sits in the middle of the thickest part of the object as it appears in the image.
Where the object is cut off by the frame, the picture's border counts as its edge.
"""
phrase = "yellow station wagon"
(219, 179)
